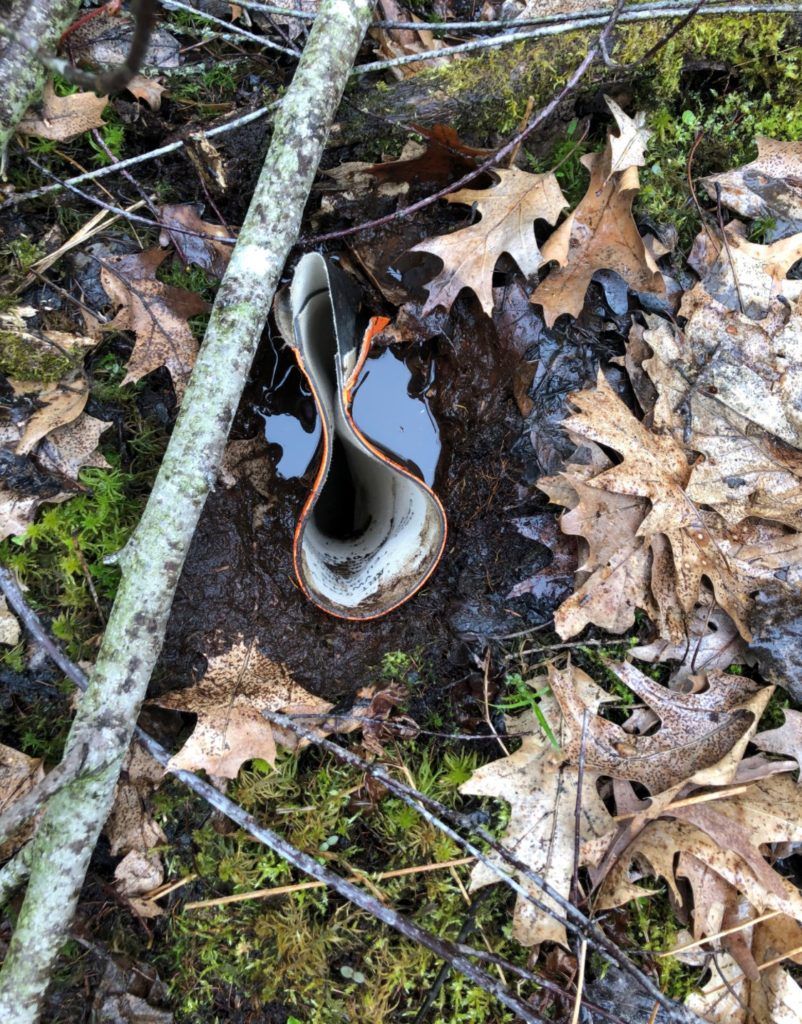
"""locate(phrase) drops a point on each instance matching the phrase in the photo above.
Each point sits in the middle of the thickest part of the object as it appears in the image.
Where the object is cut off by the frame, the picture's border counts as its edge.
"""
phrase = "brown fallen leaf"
(62, 118)
(208, 252)
(157, 313)
(697, 730)
(508, 211)
(541, 789)
(54, 407)
(767, 812)
(130, 824)
(768, 188)
(600, 234)
(147, 89)
(229, 700)
(105, 41)
(395, 42)
(443, 157)
(685, 542)
(787, 739)
(628, 148)
(74, 447)
(712, 643)
(703, 377)
(18, 775)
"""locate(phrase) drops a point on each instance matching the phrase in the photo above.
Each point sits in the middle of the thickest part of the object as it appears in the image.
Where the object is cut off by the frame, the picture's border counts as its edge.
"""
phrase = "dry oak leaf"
(54, 407)
(787, 739)
(509, 209)
(600, 234)
(746, 276)
(655, 467)
(712, 643)
(229, 700)
(209, 253)
(64, 117)
(147, 89)
(726, 835)
(628, 148)
(395, 42)
(130, 824)
(703, 377)
(157, 313)
(767, 188)
(541, 789)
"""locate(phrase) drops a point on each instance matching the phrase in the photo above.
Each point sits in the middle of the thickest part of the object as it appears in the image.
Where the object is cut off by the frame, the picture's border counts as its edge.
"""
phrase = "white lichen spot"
(253, 260)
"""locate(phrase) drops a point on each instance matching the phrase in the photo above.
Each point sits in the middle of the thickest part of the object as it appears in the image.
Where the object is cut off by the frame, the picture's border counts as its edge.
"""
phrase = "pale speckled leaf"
(62, 118)
(508, 211)
(229, 700)
(541, 790)
(787, 739)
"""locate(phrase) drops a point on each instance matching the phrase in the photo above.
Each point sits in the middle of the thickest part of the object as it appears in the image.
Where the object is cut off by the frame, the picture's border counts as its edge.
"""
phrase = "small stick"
(689, 801)
(580, 981)
(283, 890)
(486, 696)
(720, 935)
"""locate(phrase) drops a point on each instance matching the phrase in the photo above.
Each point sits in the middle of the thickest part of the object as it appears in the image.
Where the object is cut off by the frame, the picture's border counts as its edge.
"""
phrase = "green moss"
(652, 926)
(22, 360)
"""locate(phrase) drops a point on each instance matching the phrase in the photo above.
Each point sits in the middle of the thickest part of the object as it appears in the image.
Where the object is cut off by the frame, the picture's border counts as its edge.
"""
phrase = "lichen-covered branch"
(21, 72)
(152, 564)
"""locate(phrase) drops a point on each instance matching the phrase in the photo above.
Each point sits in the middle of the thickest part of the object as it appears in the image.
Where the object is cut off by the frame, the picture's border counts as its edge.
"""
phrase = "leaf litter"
(683, 515)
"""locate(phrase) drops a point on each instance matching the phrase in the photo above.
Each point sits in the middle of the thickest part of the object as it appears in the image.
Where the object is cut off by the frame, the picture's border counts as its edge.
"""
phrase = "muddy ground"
(239, 579)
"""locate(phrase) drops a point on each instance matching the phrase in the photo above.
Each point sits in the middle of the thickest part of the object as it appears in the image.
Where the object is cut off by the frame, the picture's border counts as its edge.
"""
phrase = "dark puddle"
(390, 407)
(455, 384)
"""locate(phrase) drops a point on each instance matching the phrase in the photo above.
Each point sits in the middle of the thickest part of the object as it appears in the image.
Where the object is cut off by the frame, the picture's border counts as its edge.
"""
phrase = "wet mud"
(454, 380)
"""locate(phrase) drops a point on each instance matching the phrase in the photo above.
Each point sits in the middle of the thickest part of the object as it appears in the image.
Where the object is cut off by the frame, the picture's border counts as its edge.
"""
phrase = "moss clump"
(320, 959)
(22, 358)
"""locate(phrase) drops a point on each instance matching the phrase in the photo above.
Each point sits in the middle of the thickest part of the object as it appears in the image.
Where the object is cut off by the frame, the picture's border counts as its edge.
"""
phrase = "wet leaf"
(767, 188)
(64, 117)
(697, 730)
(787, 739)
(157, 313)
(541, 790)
(442, 157)
(207, 252)
(508, 211)
(229, 700)
(600, 234)
(131, 828)
(105, 41)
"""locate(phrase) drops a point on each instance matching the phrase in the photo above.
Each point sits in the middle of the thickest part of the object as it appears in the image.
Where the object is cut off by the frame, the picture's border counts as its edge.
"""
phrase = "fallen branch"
(22, 74)
(456, 955)
(153, 559)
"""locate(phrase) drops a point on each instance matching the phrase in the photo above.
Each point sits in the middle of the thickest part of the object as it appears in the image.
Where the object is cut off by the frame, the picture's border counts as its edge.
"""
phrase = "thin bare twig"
(230, 27)
(132, 161)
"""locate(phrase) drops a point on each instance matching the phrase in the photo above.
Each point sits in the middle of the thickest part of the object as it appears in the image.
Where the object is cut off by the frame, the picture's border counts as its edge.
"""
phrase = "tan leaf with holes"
(508, 210)
(541, 789)
(600, 234)
(18, 775)
(157, 313)
(62, 118)
(229, 700)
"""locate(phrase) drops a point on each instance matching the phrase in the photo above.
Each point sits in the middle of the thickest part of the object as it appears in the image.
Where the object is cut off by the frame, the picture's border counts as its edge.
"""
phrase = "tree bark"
(152, 561)
(21, 73)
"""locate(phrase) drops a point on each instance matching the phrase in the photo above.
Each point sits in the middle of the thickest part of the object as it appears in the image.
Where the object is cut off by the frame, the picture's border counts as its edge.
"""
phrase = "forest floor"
(452, 670)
